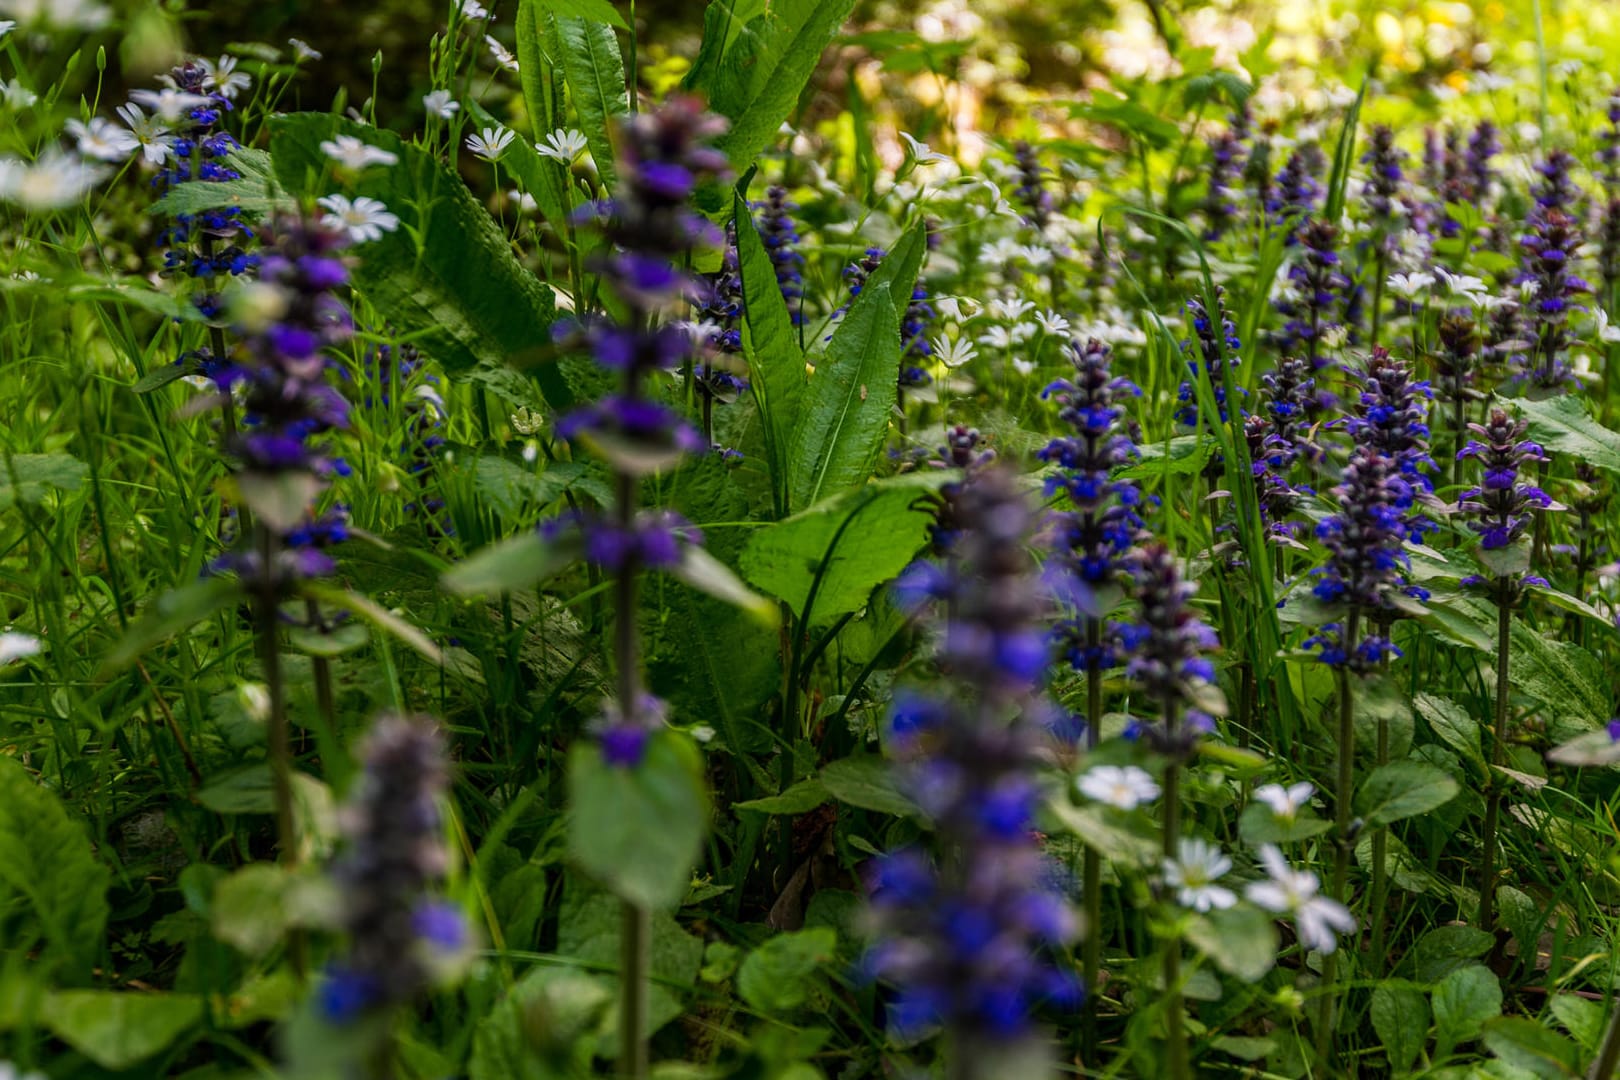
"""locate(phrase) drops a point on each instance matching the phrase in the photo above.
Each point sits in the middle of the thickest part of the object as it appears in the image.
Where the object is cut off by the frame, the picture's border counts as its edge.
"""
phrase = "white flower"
(953, 353)
(1001, 252)
(102, 139)
(6, 27)
(439, 103)
(170, 105)
(473, 11)
(490, 143)
(996, 337)
(1198, 865)
(1461, 284)
(1601, 328)
(1024, 367)
(1289, 892)
(223, 78)
(525, 202)
(1052, 322)
(1024, 331)
(956, 308)
(1126, 787)
(54, 181)
(1010, 310)
(363, 219)
(302, 50)
(921, 152)
(1285, 802)
(1038, 257)
(15, 646)
(16, 95)
(355, 155)
(1409, 285)
(564, 145)
(154, 139)
(502, 55)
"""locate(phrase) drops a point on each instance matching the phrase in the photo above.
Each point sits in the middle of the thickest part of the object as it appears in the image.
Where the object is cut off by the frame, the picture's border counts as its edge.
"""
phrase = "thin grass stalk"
(1091, 871)
(1499, 736)
(1175, 1032)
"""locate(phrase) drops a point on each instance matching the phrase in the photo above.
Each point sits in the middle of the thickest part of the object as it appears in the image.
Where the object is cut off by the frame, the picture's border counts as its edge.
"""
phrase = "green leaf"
(1452, 724)
(1258, 825)
(378, 616)
(172, 612)
(1445, 949)
(639, 830)
(1526, 1045)
(775, 362)
(249, 910)
(824, 557)
(589, 929)
(518, 562)
(1561, 424)
(49, 870)
(845, 415)
(866, 781)
(538, 68)
(1569, 682)
(595, 72)
(756, 81)
(538, 1030)
(594, 10)
(282, 500)
(252, 196)
(120, 1029)
(447, 275)
(779, 977)
(1115, 836)
(1463, 1001)
(541, 177)
(802, 797)
(1400, 1016)
(1403, 789)
(712, 577)
(26, 478)
(157, 379)
(1242, 941)
(1580, 1017)
(1509, 561)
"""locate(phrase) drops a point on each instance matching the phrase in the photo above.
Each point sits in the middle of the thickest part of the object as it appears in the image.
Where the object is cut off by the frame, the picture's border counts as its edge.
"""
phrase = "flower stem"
(1091, 880)
(1175, 1034)
(1343, 792)
(1493, 797)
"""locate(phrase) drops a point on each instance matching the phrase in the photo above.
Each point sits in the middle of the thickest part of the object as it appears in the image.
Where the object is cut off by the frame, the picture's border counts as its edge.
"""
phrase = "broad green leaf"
(1463, 1001)
(1242, 941)
(508, 1044)
(712, 577)
(1452, 724)
(779, 977)
(1568, 681)
(538, 68)
(171, 613)
(282, 500)
(593, 10)
(1403, 789)
(158, 378)
(1445, 949)
(802, 797)
(1561, 424)
(866, 781)
(518, 562)
(253, 197)
(639, 830)
(1580, 1017)
(364, 607)
(844, 418)
(825, 555)
(589, 928)
(541, 177)
(1400, 1016)
(1117, 838)
(249, 908)
(776, 372)
(1509, 561)
(447, 275)
(26, 478)
(1527, 1045)
(118, 1029)
(1259, 825)
(595, 71)
(757, 81)
(52, 887)
(723, 22)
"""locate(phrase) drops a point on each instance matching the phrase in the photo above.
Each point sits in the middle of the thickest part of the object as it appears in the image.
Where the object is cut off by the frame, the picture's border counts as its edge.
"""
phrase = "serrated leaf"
(1561, 424)
(1580, 1017)
(1403, 789)
(447, 275)
(827, 550)
(1527, 1045)
(1452, 724)
(49, 876)
(779, 977)
(118, 1029)
(639, 830)
(1445, 949)
(868, 782)
(595, 72)
(1568, 681)
(1463, 1001)
(1400, 1016)
(569, 1005)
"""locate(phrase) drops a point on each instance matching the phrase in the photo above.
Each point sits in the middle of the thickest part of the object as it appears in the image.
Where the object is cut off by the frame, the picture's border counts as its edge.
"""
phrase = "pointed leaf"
(595, 71)
(1403, 789)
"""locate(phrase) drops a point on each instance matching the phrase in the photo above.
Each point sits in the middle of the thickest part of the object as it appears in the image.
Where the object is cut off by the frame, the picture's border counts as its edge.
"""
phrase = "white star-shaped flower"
(363, 218)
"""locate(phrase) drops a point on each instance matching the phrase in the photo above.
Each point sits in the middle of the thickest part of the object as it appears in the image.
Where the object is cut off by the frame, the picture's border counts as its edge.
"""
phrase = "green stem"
(635, 964)
(1175, 1033)
(1608, 1059)
(1343, 793)
(1493, 798)
(1091, 880)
